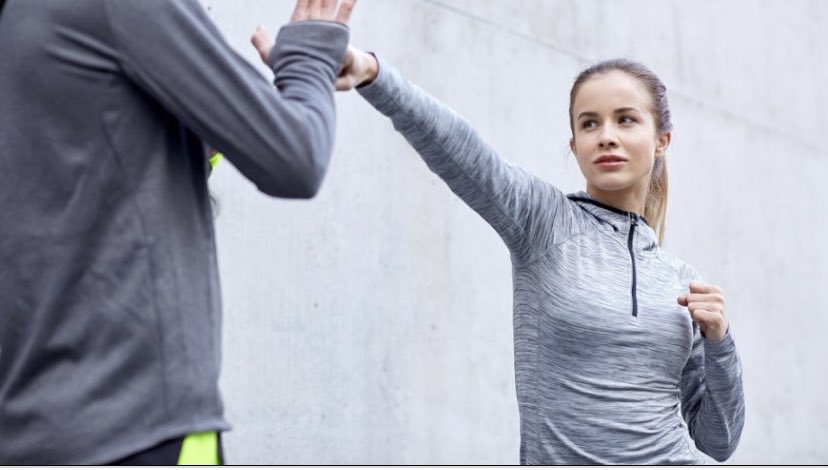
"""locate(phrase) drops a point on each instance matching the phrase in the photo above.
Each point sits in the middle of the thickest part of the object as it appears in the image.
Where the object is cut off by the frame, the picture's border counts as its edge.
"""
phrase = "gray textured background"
(373, 324)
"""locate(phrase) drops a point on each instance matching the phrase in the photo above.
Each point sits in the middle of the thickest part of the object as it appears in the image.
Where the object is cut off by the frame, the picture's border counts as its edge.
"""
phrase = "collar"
(618, 219)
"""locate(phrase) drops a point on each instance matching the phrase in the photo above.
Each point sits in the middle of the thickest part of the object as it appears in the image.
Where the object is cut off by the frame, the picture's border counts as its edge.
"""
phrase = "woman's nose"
(607, 138)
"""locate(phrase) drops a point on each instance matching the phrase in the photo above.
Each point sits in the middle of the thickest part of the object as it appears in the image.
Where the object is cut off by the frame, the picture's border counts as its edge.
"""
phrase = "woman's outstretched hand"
(306, 10)
(357, 69)
(706, 306)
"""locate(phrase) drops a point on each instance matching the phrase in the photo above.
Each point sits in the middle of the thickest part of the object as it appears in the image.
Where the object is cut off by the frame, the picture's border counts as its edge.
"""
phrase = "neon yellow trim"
(199, 449)
(215, 159)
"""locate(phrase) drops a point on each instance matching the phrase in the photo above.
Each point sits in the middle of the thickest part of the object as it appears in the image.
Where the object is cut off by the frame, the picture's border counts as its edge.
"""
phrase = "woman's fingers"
(262, 42)
(706, 306)
(699, 288)
(712, 298)
(345, 83)
(706, 318)
(713, 325)
(699, 292)
(358, 68)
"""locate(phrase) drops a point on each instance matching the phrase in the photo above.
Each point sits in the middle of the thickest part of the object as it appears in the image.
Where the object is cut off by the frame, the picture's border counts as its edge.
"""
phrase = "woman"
(613, 336)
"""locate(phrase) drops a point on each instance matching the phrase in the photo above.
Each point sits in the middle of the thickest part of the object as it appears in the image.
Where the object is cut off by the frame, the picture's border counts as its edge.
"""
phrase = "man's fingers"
(344, 12)
(261, 41)
(315, 10)
(325, 10)
(300, 13)
(328, 8)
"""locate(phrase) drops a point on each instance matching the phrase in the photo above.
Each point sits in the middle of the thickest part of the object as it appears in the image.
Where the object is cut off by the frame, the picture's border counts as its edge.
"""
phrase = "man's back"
(110, 312)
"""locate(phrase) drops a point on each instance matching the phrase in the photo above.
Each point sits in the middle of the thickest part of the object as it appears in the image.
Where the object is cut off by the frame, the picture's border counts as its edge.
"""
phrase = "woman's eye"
(588, 124)
(627, 120)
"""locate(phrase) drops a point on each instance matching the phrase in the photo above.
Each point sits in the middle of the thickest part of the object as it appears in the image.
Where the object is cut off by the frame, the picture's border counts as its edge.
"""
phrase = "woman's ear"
(572, 146)
(662, 143)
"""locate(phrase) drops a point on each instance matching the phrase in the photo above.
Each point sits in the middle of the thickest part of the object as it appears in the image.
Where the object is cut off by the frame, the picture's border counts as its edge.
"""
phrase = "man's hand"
(306, 10)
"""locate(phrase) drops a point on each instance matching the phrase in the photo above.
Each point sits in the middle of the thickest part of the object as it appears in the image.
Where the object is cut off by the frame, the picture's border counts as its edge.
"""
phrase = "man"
(110, 318)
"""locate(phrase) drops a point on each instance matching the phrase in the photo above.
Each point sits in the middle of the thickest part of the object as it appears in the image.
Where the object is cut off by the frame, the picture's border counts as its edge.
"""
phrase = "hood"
(620, 220)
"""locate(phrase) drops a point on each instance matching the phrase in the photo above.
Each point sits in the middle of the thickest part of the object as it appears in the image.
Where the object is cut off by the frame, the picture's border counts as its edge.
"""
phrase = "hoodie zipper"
(634, 219)
(630, 246)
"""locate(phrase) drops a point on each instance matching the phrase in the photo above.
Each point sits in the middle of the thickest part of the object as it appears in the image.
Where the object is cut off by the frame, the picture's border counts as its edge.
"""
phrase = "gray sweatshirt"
(110, 314)
(609, 368)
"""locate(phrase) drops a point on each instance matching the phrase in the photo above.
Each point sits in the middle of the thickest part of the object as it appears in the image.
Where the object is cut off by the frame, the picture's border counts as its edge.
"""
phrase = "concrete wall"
(373, 324)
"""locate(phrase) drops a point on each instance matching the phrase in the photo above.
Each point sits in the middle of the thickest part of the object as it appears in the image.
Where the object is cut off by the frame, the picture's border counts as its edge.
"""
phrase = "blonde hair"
(655, 206)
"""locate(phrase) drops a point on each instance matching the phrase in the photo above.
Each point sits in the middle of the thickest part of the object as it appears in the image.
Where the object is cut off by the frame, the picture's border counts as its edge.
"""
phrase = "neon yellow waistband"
(200, 449)
(215, 159)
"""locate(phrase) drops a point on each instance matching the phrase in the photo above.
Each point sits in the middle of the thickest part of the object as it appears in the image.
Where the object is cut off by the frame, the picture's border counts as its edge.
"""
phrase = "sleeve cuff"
(321, 40)
(385, 91)
(372, 91)
(725, 346)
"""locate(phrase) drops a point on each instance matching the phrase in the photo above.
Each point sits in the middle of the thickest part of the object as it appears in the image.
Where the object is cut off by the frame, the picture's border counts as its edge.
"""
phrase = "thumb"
(262, 42)
(344, 83)
(347, 62)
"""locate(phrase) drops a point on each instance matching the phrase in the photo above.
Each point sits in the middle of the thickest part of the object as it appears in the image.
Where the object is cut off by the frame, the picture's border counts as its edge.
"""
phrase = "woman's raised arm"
(522, 208)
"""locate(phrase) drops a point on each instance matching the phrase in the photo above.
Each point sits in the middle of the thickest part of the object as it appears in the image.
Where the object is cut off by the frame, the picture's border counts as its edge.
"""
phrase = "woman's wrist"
(371, 69)
(716, 336)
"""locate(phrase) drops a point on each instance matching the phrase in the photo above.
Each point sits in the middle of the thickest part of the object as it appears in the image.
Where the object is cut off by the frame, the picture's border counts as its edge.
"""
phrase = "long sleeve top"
(609, 369)
(110, 311)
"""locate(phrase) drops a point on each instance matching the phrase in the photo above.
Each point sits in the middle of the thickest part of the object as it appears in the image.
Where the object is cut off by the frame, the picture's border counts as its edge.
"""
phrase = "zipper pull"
(633, 219)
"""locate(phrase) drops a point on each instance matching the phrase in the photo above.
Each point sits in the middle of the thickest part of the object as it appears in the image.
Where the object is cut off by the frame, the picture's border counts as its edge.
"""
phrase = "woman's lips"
(610, 162)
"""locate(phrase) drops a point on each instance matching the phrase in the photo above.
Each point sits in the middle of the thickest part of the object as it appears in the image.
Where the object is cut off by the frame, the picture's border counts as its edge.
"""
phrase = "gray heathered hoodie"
(110, 314)
(604, 356)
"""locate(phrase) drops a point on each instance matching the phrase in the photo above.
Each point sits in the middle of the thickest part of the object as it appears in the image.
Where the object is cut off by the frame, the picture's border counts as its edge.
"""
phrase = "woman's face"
(615, 138)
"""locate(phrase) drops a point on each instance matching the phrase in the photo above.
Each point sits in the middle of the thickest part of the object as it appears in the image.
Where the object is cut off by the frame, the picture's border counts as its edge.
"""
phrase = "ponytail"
(655, 207)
